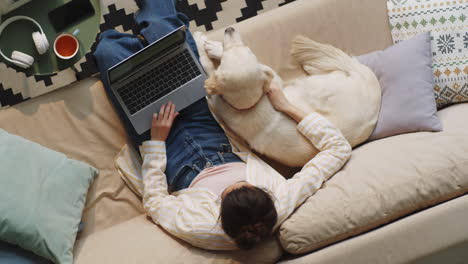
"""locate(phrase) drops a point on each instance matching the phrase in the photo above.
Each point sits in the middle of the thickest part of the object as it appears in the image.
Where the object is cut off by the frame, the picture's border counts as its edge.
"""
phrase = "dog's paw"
(214, 49)
(200, 38)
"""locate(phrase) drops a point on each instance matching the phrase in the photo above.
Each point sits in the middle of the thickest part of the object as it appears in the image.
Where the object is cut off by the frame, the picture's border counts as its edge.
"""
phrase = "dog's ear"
(268, 77)
(211, 84)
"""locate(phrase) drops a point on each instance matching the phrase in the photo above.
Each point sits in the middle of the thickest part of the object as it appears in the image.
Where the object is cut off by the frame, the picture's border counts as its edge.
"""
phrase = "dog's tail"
(317, 58)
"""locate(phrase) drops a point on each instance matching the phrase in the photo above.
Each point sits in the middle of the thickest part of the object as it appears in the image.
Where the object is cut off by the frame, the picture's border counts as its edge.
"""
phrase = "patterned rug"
(447, 20)
(205, 15)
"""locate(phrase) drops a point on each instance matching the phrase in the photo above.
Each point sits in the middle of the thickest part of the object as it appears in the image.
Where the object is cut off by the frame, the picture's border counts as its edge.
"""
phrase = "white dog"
(338, 87)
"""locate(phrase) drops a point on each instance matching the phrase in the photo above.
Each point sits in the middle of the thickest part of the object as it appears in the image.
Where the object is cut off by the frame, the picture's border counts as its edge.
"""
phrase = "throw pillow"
(405, 76)
(42, 196)
(446, 20)
(11, 254)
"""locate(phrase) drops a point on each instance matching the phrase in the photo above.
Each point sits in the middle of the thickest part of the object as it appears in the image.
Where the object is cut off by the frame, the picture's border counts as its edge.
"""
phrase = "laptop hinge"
(147, 64)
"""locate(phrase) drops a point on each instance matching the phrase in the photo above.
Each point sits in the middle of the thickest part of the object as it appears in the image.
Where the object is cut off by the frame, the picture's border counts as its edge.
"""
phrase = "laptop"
(166, 70)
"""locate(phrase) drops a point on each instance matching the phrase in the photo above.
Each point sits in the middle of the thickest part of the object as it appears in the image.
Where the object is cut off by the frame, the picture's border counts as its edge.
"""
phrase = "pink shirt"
(217, 178)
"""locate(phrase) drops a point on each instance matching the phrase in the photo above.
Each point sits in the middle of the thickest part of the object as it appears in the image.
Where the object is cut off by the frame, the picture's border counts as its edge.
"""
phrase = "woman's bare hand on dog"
(282, 104)
(162, 122)
(278, 99)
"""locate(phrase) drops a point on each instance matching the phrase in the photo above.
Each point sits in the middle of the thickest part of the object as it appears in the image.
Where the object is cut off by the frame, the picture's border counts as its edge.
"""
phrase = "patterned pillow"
(447, 20)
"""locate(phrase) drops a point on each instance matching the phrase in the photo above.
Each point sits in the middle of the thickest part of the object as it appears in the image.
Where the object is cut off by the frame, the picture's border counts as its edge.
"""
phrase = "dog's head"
(240, 78)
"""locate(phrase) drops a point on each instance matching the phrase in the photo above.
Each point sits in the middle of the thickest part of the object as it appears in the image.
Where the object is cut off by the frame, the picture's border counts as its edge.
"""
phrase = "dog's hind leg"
(206, 62)
(317, 58)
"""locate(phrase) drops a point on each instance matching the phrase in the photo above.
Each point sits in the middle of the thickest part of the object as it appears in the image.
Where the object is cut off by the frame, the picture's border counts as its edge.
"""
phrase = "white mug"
(66, 46)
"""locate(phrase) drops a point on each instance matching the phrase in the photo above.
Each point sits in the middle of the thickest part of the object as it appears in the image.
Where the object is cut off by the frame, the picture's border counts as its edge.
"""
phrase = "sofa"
(400, 199)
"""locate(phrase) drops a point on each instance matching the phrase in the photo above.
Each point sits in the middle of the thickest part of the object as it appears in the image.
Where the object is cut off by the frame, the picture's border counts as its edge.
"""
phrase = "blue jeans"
(196, 140)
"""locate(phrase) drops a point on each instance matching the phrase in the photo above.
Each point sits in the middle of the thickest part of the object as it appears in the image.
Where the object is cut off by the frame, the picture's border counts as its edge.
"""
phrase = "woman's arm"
(190, 216)
(281, 103)
(155, 191)
(334, 152)
(321, 133)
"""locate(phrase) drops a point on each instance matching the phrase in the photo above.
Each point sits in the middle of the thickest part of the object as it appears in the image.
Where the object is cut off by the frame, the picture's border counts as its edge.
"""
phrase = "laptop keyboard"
(159, 81)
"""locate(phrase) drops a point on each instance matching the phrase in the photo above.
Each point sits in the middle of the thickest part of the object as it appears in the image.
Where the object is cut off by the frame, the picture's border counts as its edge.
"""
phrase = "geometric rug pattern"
(447, 20)
(204, 15)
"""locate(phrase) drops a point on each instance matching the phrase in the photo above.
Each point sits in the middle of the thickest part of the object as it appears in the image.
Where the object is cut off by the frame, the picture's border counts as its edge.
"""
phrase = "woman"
(194, 186)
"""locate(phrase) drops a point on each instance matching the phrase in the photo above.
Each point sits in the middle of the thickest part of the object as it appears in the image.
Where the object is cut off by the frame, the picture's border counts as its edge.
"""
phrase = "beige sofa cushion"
(433, 236)
(384, 180)
(141, 241)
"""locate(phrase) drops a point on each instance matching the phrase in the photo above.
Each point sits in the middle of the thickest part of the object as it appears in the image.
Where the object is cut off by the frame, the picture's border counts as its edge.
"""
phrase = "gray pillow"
(405, 76)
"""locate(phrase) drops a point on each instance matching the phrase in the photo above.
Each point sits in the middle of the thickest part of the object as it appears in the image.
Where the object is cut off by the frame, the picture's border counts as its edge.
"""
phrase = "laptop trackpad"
(182, 97)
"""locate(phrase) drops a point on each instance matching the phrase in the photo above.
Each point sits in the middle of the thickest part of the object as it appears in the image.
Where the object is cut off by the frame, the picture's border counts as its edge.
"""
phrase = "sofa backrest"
(355, 26)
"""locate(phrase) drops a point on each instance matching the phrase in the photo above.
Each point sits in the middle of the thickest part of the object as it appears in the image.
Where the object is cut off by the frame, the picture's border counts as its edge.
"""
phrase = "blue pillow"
(42, 196)
(10, 254)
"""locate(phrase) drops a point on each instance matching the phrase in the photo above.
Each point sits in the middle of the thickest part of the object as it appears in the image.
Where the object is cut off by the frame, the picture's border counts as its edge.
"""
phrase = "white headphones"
(21, 59)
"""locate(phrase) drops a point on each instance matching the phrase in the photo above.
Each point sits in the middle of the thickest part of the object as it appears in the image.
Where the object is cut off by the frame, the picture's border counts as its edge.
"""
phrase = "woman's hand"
(282, 104)
(277, 99)
(162, 122)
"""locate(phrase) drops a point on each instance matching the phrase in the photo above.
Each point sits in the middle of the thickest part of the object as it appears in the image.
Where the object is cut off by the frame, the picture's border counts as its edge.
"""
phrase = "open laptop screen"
(143, 57)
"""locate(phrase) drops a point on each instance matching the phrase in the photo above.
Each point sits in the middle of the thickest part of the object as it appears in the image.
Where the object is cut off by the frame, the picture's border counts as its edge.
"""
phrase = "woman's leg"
(196, 140)
(159, 17)
(113, 47)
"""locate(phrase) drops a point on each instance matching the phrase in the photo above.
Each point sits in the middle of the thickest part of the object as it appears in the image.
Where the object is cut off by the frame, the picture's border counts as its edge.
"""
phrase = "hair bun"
(251, 234)
(248, 215)
(257, 228)
(247, 240)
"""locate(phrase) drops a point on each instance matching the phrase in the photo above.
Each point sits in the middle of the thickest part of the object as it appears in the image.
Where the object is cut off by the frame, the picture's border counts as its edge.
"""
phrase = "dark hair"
(248, 216)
